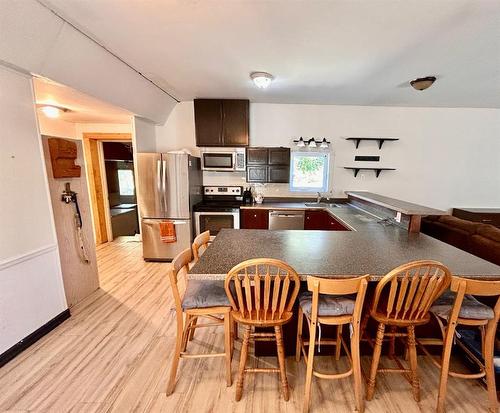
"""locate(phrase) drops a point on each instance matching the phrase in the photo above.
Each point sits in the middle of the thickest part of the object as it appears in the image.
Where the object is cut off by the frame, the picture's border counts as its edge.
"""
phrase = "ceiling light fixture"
(261, 79)
(52, 111)
(422, 83)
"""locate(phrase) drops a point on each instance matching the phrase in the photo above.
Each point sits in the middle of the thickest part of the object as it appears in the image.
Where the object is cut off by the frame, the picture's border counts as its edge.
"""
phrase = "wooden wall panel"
(80, 279)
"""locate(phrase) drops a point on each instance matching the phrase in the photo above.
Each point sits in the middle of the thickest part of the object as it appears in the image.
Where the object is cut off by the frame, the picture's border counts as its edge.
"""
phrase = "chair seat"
(204, 294)
(471, 307)
(328, 305)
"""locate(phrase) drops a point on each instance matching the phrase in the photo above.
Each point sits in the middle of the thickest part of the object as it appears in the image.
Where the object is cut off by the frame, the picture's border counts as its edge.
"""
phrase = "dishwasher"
(286, 219)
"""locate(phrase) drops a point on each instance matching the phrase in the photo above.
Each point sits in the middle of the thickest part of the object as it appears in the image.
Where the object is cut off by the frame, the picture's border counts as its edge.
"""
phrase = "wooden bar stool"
(262, 292)
(332, 302)
(206, 299)
(402, 299)
(200, 244)
(464, 309)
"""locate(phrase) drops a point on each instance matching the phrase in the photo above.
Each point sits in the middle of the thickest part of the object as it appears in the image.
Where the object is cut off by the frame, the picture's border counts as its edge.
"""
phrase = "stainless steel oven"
(216, 220)
(217, 159)
(219, 209)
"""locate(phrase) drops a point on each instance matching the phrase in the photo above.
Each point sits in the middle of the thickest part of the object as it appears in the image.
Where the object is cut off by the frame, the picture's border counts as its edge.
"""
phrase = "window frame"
(326, 170)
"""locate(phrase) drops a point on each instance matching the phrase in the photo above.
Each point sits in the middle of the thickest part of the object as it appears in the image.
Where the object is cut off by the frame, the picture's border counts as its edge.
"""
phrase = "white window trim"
(326, 172)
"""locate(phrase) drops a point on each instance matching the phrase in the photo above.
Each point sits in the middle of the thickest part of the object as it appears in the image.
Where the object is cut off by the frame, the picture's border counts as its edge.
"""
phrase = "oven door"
(215, 221)
(218, 161)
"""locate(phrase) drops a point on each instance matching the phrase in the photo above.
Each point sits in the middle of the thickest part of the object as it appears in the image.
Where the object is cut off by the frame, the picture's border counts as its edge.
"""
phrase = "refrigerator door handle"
(159, 183)
(164, 186)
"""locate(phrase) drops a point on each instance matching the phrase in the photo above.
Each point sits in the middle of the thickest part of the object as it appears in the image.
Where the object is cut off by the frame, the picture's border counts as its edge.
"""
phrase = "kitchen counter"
(336, 254)
(397, 205)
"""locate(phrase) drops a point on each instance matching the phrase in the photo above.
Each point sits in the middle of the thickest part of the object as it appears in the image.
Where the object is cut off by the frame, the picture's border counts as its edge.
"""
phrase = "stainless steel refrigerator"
(169, 184)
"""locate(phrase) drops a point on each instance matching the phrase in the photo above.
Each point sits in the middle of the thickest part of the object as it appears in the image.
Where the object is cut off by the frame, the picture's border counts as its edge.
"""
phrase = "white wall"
(37, 41)
(31, 288)
(145, 135)
(445, 157)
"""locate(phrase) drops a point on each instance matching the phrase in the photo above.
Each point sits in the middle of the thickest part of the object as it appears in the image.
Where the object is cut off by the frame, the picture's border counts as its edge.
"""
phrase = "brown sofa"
(482, 240)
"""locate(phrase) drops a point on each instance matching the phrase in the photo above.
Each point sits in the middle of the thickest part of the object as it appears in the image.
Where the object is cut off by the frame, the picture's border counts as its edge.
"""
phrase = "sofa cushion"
(468, 226)
(329, 305)
(489, 231)
(471, 307)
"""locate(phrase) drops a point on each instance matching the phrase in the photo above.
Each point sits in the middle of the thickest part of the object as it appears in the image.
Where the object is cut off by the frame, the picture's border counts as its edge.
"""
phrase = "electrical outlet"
(398, 217)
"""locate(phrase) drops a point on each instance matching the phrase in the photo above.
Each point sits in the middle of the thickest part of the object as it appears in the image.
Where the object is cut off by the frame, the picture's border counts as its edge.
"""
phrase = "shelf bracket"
(380, 143)
(356, 173)
(377, 172)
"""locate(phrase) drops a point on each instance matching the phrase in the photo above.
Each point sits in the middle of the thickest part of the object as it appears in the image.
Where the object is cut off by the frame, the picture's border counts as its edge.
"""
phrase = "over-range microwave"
(223, 159)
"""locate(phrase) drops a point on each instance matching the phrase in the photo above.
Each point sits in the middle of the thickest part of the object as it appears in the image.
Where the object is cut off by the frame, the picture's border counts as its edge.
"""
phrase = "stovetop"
(220, 199)
(217, 206)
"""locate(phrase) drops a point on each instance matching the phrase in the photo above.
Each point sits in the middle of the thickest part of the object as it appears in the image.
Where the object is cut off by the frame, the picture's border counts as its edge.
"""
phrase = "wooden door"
(333, 225)
(278, 174)
(91, 148)
(257, 156)
(279, 156)
(254, 218)
(257, 174)
(208, 122)
(315, 220)
(235, 122)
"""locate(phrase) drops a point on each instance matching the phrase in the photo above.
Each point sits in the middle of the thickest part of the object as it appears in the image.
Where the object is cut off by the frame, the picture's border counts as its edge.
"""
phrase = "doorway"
(110, 169)
(120, 178)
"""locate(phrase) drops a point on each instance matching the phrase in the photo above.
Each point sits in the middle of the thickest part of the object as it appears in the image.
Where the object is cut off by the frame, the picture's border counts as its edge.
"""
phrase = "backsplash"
(238, 178)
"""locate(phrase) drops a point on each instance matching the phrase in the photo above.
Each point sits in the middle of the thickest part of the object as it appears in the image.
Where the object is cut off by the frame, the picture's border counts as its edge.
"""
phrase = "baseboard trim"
(28, 341)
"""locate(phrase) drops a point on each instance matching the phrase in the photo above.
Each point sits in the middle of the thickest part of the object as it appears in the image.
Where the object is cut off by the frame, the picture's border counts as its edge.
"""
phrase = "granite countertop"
(404, 207)
(337, 254)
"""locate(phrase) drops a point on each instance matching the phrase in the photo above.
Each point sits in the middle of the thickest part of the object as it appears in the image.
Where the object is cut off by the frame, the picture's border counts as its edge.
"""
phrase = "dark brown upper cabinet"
(268, 165)
(221, 122)
(279, 156)
(257, 156)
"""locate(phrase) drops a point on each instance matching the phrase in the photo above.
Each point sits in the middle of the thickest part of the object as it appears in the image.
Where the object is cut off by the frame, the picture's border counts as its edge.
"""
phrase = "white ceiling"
(82, 107)
(327, 52)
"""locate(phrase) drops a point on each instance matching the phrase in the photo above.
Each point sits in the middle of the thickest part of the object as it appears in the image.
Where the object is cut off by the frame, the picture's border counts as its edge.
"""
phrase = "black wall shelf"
(379, 140)
(356, 169)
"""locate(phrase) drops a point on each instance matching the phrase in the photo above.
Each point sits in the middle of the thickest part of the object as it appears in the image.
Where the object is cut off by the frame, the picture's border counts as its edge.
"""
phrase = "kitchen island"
(373, 249)
(374, 245)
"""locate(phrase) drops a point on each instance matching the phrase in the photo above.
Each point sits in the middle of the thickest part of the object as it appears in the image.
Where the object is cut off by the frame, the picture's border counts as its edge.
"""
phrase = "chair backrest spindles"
(270, 289)
(413, 287)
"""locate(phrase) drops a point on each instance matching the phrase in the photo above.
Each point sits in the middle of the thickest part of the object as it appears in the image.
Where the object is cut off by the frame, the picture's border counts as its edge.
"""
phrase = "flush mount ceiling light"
(422, 83)
(52, 111)
(261, 79)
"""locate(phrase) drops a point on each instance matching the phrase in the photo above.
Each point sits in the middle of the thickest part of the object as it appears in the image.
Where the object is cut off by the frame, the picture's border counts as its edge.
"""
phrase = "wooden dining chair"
(204, 299)
(332, 302)
(402, 299)
(200, 244)
(262, 293)
(460, 307)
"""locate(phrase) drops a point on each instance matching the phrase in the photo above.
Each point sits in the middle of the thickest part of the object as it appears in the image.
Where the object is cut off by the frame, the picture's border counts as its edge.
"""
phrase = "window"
(309, 171)
(126, 181)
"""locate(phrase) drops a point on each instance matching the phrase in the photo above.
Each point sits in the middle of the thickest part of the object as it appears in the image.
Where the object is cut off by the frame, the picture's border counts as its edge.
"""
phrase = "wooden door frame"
(96, 176)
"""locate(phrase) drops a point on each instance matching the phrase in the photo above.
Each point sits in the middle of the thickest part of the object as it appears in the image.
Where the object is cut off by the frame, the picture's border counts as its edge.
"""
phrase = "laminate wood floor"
(114, 354)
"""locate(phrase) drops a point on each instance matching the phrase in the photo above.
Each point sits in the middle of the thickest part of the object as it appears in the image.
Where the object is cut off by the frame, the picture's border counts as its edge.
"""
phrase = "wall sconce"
(311, 143)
